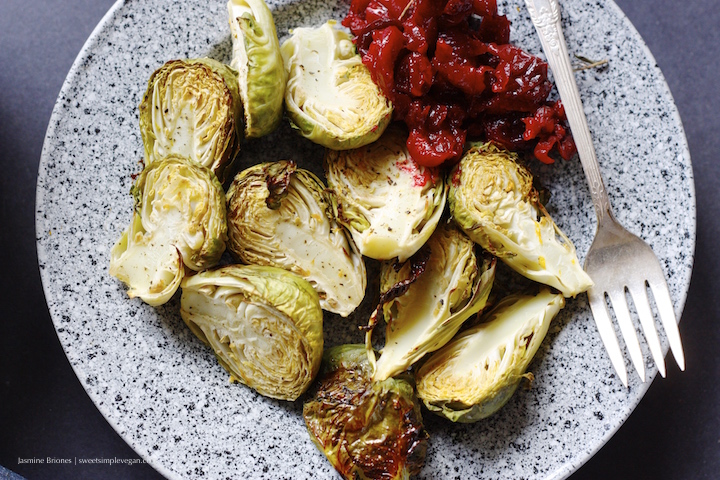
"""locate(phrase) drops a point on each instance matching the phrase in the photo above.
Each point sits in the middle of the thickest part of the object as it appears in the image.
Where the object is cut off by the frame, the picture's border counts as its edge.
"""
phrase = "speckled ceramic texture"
(163, 390)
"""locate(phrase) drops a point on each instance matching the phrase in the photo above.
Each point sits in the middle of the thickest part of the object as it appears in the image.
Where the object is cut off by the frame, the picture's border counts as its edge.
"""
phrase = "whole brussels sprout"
(278, 215)
(193, 108)
(475, 374)
(264, 324)
(330, 96)
(492, 198)
(389, 203)
(454, 286)
(178, 219)
(368, 430)
(257, 59)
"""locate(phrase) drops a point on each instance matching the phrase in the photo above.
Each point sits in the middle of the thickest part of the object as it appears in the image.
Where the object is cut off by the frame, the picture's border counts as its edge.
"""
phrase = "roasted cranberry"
(451, 74)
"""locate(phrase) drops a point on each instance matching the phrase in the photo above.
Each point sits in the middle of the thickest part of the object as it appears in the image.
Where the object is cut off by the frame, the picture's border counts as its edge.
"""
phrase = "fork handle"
(545, 15)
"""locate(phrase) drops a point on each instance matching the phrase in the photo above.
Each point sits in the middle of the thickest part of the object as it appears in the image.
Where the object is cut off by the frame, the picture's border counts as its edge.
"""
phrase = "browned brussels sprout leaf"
(368, 430)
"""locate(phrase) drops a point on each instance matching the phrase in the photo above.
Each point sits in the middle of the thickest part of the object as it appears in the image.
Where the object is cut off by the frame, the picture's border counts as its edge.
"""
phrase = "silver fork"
(618, 261)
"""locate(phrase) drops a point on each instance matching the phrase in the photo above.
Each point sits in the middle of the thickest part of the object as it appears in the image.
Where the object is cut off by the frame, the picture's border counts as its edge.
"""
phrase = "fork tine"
(647, 320)
(667, 315)
(607, 332)
(622, 313)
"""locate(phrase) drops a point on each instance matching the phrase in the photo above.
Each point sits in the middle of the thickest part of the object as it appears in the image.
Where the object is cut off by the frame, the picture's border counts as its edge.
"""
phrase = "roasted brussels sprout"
(476, 373)
(390, 204)
(257, 59)
(330, 96)
(178, 219)
(264, 324)
(368, 430)
(454, 286)
(492, 198)
(193, 108)
(278, 215)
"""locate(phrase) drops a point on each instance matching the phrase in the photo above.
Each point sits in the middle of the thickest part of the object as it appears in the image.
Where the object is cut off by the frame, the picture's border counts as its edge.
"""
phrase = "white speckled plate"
(163, 390)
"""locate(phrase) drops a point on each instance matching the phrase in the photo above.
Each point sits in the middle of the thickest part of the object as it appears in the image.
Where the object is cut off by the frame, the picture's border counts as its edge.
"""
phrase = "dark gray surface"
(44, 412)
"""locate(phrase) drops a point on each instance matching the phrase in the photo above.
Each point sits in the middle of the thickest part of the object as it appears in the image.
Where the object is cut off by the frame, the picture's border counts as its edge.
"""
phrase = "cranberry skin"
(549, 127)
(381, 57)
(414, 74)
(355, 19)
(420, 25)
(460, 70)
(494, 29)
(380, 9)
(456, 12)
(436, 135)
(432, 149)
(485, 8)
(543, 121)
(506, 131)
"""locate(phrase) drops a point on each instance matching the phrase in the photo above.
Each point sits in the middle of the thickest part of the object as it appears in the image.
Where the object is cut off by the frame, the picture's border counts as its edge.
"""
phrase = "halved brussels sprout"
(179, 219)
(278, 215)
(368, 430)
(389, 203)
(475, 374)
(330, 96)
(193, 108)
(257, 59)
(492, 198)
(264, 324)
(454, 286)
